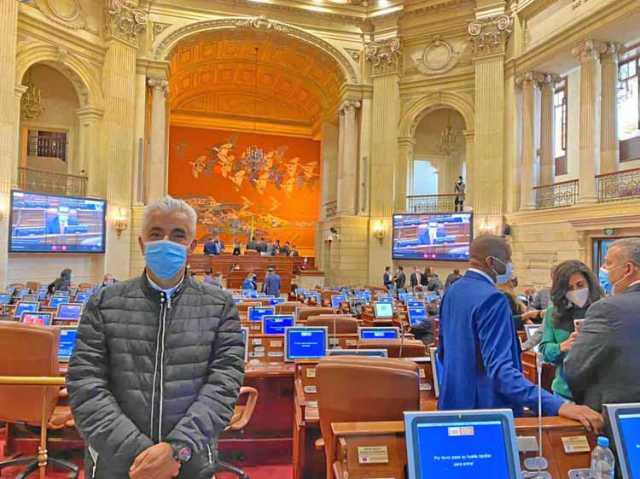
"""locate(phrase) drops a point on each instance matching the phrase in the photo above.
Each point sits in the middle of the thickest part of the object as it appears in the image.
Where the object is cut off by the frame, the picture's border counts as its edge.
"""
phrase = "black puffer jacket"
(148, 369)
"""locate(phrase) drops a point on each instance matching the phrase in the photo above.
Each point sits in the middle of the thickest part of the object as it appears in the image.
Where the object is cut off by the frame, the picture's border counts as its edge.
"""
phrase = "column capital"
(349, 106)
(489, 35)
(589, 50)
(159, 85)
(611, 52)
(540, 79)
(88, 113)
(125, 21)
(384, 56)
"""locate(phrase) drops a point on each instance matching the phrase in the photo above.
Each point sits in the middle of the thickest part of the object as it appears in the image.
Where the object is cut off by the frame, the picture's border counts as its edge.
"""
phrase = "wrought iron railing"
(330, 209)
(435, 203)
(621, 185)
(30, 179)
(557, 195)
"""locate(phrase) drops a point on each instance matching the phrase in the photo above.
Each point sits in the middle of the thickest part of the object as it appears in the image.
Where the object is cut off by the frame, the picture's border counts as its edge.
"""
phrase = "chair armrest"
(239, 421)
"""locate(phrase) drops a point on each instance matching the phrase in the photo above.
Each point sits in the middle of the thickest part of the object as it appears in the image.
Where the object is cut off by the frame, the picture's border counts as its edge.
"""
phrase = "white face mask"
(579, 297)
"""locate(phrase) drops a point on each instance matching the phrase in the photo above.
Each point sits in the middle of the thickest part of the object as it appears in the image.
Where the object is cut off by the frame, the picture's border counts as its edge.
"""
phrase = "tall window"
(629, 109)
(560, 124)
(425, 178)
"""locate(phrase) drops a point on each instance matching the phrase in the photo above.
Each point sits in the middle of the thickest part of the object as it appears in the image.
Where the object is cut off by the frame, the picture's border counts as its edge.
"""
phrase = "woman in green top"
(574, 289)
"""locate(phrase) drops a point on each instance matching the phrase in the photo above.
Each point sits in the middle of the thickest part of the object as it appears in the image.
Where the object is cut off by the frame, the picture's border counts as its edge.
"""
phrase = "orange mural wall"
(241, 183)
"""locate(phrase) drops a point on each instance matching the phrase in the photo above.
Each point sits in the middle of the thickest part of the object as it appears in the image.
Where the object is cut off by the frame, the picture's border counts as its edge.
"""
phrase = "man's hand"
(587, 416)
(529, 316)
(157, 462)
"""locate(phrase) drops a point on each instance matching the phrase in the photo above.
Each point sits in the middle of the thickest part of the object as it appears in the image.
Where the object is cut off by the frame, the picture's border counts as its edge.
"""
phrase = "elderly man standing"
(158, 362)
(603, 365)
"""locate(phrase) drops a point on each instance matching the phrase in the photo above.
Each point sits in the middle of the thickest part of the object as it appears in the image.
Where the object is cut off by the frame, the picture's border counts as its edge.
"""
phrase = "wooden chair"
(288, 307)
(305, 312)
(396, 348)
(336, 324)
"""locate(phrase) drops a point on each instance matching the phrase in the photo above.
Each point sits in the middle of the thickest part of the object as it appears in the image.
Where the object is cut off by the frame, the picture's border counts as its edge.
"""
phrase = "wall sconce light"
(378, 230)
(120, 221)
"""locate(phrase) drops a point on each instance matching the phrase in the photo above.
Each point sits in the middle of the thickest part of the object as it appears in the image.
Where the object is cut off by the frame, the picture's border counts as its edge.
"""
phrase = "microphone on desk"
(537, 466)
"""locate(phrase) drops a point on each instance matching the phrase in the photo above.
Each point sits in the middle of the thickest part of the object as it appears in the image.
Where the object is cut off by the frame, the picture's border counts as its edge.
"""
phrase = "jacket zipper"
(210, 455)
(159, 337)
(164, 331)
(94, 458)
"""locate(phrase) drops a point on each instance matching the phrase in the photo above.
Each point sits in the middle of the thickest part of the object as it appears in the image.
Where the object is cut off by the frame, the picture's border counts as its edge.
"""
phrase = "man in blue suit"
(479, 349)
(272, 283)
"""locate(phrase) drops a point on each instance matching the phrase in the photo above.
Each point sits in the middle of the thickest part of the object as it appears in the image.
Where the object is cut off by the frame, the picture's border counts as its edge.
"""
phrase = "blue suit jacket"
(272, 285)
(480, 352)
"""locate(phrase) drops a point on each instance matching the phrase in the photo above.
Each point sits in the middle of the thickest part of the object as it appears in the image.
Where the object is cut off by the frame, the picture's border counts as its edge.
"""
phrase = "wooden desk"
(350, 436)
(531, 372)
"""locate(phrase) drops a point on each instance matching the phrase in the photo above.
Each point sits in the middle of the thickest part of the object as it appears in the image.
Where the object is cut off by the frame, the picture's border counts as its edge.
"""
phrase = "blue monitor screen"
(403, 297)
(462, 448)
(56, 301)
(379, 333)
(629, 425)
(417, 315)
(42, 295)
(414, 304)
(250, 293)
(67, 343)
(257, 313)
(5, 298)
(385, 299)
(36, 319)
(42, 223)
(276, 301)
(305, 343)
(69, 312)
(275, 324)
(337, 300)
(25, 307)
(22, 293)
(82, 297)
(384, 310)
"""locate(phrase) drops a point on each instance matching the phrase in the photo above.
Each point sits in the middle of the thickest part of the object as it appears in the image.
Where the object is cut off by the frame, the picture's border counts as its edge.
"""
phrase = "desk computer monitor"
(378, 333)
(276, 301)
(22, 293)
(249, 293)
(435, 370)
(305, 342)
(82, 297)
(377, 353)
(385, 299)
(416, 315)
(5, 298)
(337, 300)
(69, 312)
(414, 303)
(245, 341)
(530, 330)
(256, 313)
(23, 307)
(625, 426)
(383, 310)
(42, 294)
(276, 323)
(404, 297)
(67, 343)
(36, 318)
(461, 445)
(56, 301)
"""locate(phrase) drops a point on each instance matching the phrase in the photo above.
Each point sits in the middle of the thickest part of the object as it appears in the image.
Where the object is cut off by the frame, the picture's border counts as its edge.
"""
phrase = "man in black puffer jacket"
(158, 363)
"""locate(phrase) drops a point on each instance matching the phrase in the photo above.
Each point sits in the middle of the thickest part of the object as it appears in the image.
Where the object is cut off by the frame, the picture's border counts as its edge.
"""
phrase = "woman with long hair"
(573, 290)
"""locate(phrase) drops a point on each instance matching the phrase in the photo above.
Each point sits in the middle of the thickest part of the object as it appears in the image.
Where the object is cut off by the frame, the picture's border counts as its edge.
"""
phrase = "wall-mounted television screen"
(435, 237)
(43, 223)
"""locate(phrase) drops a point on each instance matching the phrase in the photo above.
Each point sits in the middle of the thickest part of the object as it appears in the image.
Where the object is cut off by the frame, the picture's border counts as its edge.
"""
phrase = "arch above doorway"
(165, 43)
(434, 101)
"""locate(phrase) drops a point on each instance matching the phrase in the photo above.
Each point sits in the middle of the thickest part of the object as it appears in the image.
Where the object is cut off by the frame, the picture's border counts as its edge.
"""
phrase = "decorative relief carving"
(489, 35)
(384, 56)
(354, 54)
(438, 57)
(64, 12)
(158, 28)
(577, 3)
(589, 50)
(124, 20)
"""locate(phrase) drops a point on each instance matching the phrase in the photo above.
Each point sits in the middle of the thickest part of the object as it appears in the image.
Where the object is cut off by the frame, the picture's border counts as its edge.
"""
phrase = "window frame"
(629, 147)
(560, 162)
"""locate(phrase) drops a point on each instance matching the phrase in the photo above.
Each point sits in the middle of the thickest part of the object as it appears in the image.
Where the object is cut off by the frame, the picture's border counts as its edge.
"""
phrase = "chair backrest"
(361, 389)
(305, 312)
(396, 348)
(27, 350)
(288, 307)
(33, 286)
(244, 307)
(337, 323)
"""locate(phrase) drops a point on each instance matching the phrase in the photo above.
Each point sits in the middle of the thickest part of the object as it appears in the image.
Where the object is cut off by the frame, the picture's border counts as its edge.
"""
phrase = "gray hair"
(630, 247)
(169, 204)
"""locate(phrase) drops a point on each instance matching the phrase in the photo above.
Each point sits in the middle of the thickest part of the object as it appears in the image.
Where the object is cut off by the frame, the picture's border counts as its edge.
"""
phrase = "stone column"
(348, 159)
(139, 139)
(527, 82)
(90, 161)
(364, 160)
(469, 143)
(157, 171)
(488, 40)
(609, 149)
(546, 83)
(588, 52)
(405, 171)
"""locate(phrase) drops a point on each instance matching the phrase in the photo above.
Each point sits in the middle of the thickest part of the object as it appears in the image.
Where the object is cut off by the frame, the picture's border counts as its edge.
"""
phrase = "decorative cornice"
(589, 50)
(384, 56)
(125, 21)
(489, 35)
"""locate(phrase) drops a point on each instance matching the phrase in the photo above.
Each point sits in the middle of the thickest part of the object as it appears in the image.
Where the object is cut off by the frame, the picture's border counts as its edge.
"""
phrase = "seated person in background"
(603, 366)
(573, 290)
(434, 283)
(252, 244)
(108, 280)
(275, 248)
(519, 312)
(236, 248)
(294, 251)
(478, 345)
(211, 247)
(208, 278)
(542, 299)
(62, 283)
(249, 283)
(286, 249)
(423, 331)
(262, 246)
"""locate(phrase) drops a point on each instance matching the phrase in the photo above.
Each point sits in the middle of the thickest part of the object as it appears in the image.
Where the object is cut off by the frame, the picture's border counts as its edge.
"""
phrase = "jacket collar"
(481, 275)
(156, 296)
(634, 288)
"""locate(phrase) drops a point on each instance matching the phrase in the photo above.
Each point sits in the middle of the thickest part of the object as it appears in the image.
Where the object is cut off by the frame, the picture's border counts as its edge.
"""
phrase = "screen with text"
(629, 425)
(306, 343)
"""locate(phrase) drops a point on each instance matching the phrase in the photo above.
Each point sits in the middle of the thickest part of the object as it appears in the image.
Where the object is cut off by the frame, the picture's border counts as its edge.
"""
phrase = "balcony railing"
(621, 185)
(330, 209)
(30, 179)
(557, 195)
(433, 203)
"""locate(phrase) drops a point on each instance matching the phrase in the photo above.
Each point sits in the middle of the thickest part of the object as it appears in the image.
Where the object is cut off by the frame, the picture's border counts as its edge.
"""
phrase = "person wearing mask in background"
(262, 246)
(452, 278)
(150, 401)
(415, 278)
(387, 280)
(208, 278)
(218, 281)
(603, 365)
(249, 283)
(478, 347)
(108, 280)
(459, 189)
(62, 283)
(401, 280)
(236, 248)
(573, 290)
(286, 249)
(272, 283)
(210, 247)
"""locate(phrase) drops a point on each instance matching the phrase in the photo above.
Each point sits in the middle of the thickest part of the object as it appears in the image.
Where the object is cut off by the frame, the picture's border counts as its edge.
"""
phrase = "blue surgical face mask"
(603, 277)
(507, 275)
(165, 258)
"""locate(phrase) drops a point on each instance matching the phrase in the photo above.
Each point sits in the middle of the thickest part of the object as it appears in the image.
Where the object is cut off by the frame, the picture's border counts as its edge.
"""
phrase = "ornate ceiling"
(213, 76)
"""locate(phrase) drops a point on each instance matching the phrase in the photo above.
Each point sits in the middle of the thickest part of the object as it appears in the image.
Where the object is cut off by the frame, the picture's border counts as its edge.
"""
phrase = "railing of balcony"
(557, 195)
(621, 185)
(330, 209)
(434, 203)
(30, 179)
